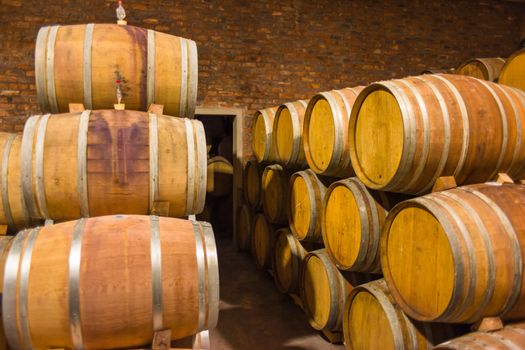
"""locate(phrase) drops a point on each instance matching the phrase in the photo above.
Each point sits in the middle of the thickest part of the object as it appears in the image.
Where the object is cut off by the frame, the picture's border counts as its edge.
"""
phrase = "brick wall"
(257, 53)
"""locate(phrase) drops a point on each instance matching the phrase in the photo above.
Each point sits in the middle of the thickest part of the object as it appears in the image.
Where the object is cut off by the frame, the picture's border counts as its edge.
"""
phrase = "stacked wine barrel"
(109, 185)
(376, 195)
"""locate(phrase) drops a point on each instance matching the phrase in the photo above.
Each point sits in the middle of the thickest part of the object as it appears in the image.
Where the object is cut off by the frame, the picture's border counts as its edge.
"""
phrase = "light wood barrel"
(511, 336)
(325, 132)
(305, 205)
(112, 162)
(275, 184)
(82, 63)
(220, 177)
(324, 290)
(455, 256)
(373, 320)
(244, 229)
(252, 184)
(64, 284)
(13, 210)
(262, 129)
(482, 68)
(513, 72)
(352, 219)
(288, 134)
(262, 241)
(288, 256)
(5, 244)
(405, 134)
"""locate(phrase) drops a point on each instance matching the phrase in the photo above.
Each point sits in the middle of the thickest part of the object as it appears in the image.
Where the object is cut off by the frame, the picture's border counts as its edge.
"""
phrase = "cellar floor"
(253, 314)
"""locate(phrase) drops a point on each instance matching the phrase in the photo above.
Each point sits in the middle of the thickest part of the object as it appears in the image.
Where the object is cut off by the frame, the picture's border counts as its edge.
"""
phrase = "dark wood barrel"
(325, 132)
(288, 134)
(64, 284)
(307, 192)
(455, 256)
(373, 320)
(262, 145)
(112, 162)
(275, 184)
(511, 336)
(482, 68)
(406, 133)
(252, 184)
(352, 219)
(82, 64)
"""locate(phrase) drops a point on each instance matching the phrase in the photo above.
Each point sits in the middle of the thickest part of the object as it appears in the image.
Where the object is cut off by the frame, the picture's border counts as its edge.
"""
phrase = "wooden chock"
(333, 337)
(162, 340)
(122, 22)
(488, 324)
(3, 230)
(156, 109)
(297, 300)
(49, 222)
(119, 106)
(76, 107)
(161, 209)
(201, 341)
(444, 183)
(504, 178)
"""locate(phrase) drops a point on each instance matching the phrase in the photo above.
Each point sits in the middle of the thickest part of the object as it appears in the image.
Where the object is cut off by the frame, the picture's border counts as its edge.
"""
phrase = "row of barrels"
(153, 273)
(401, 135)
(91, 163)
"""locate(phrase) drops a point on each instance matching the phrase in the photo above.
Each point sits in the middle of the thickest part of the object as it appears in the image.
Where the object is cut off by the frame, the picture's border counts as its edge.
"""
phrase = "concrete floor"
(253, 314)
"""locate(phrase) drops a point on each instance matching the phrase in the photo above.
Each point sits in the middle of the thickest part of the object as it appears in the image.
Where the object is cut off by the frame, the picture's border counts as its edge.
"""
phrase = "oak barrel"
(325, 132)
(406, 133)
(220, 177)
(65, 284)
(288, 134)
(262, 145)
(305, 205)
(262, 238)
(5, 244)
(456, 256)
(352, 220)
(252, 184)
(324, 290)
(112, 162)
(13, 210)
(513, 72)
(372, 320)
(275, 184)
(482, 68)
(511, 336)
(244, 228)
(82, 63)
(288, 256)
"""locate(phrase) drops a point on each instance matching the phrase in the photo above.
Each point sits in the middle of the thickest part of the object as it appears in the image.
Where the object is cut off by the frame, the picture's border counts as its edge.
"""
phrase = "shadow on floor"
(253, 314)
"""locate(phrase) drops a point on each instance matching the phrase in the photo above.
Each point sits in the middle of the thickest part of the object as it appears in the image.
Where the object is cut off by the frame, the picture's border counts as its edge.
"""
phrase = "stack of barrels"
(362, 217)
(113, 264)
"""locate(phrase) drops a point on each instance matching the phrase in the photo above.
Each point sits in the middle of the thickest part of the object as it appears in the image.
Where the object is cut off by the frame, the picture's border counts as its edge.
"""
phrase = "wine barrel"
(275, 189)
(262, 241)
(455, 256)
(307, 192)
(406, 133)
(372, 320)
(13, 210)
(262, 145)
(112, 162)
(288, 256)
(325, 132)
(64, 284)
(513, 72)
(287, 134)
(5, 244)
(324, 290)
(511, 336)
(220, 177)
(83, 63)
(243, 232)
(482, 68)
(437, 71)
(351, 221)
(252, 184)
